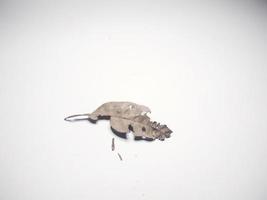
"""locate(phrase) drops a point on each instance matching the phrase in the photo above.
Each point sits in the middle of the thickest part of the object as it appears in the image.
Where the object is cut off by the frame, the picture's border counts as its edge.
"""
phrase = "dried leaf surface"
(127, 116)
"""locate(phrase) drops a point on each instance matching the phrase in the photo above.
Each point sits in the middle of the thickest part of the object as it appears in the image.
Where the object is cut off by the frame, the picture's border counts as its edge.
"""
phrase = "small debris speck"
(120, 156)
(113, 144)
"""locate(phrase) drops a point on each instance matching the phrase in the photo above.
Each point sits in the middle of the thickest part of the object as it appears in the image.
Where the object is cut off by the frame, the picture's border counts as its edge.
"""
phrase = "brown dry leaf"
(127, 116)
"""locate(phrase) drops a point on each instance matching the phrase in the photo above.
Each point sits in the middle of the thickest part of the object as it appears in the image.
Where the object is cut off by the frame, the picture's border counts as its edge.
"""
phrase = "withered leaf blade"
(128, 116)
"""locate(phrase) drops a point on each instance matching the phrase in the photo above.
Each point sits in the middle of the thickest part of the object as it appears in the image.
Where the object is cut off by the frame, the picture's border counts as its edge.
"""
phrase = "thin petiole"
(77, 117)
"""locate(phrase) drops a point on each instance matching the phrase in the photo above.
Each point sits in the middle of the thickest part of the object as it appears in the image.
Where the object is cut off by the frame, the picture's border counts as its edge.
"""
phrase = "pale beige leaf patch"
(126, 117)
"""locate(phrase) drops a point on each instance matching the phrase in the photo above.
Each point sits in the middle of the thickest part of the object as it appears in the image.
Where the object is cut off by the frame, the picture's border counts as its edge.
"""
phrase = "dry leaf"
(126, 117)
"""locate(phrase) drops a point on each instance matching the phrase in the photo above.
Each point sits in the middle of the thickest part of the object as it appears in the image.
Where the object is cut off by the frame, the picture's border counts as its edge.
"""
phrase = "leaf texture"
(127, 116)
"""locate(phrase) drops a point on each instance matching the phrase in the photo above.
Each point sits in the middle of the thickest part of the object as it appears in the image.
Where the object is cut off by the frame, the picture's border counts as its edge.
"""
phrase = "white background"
(201, 68)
